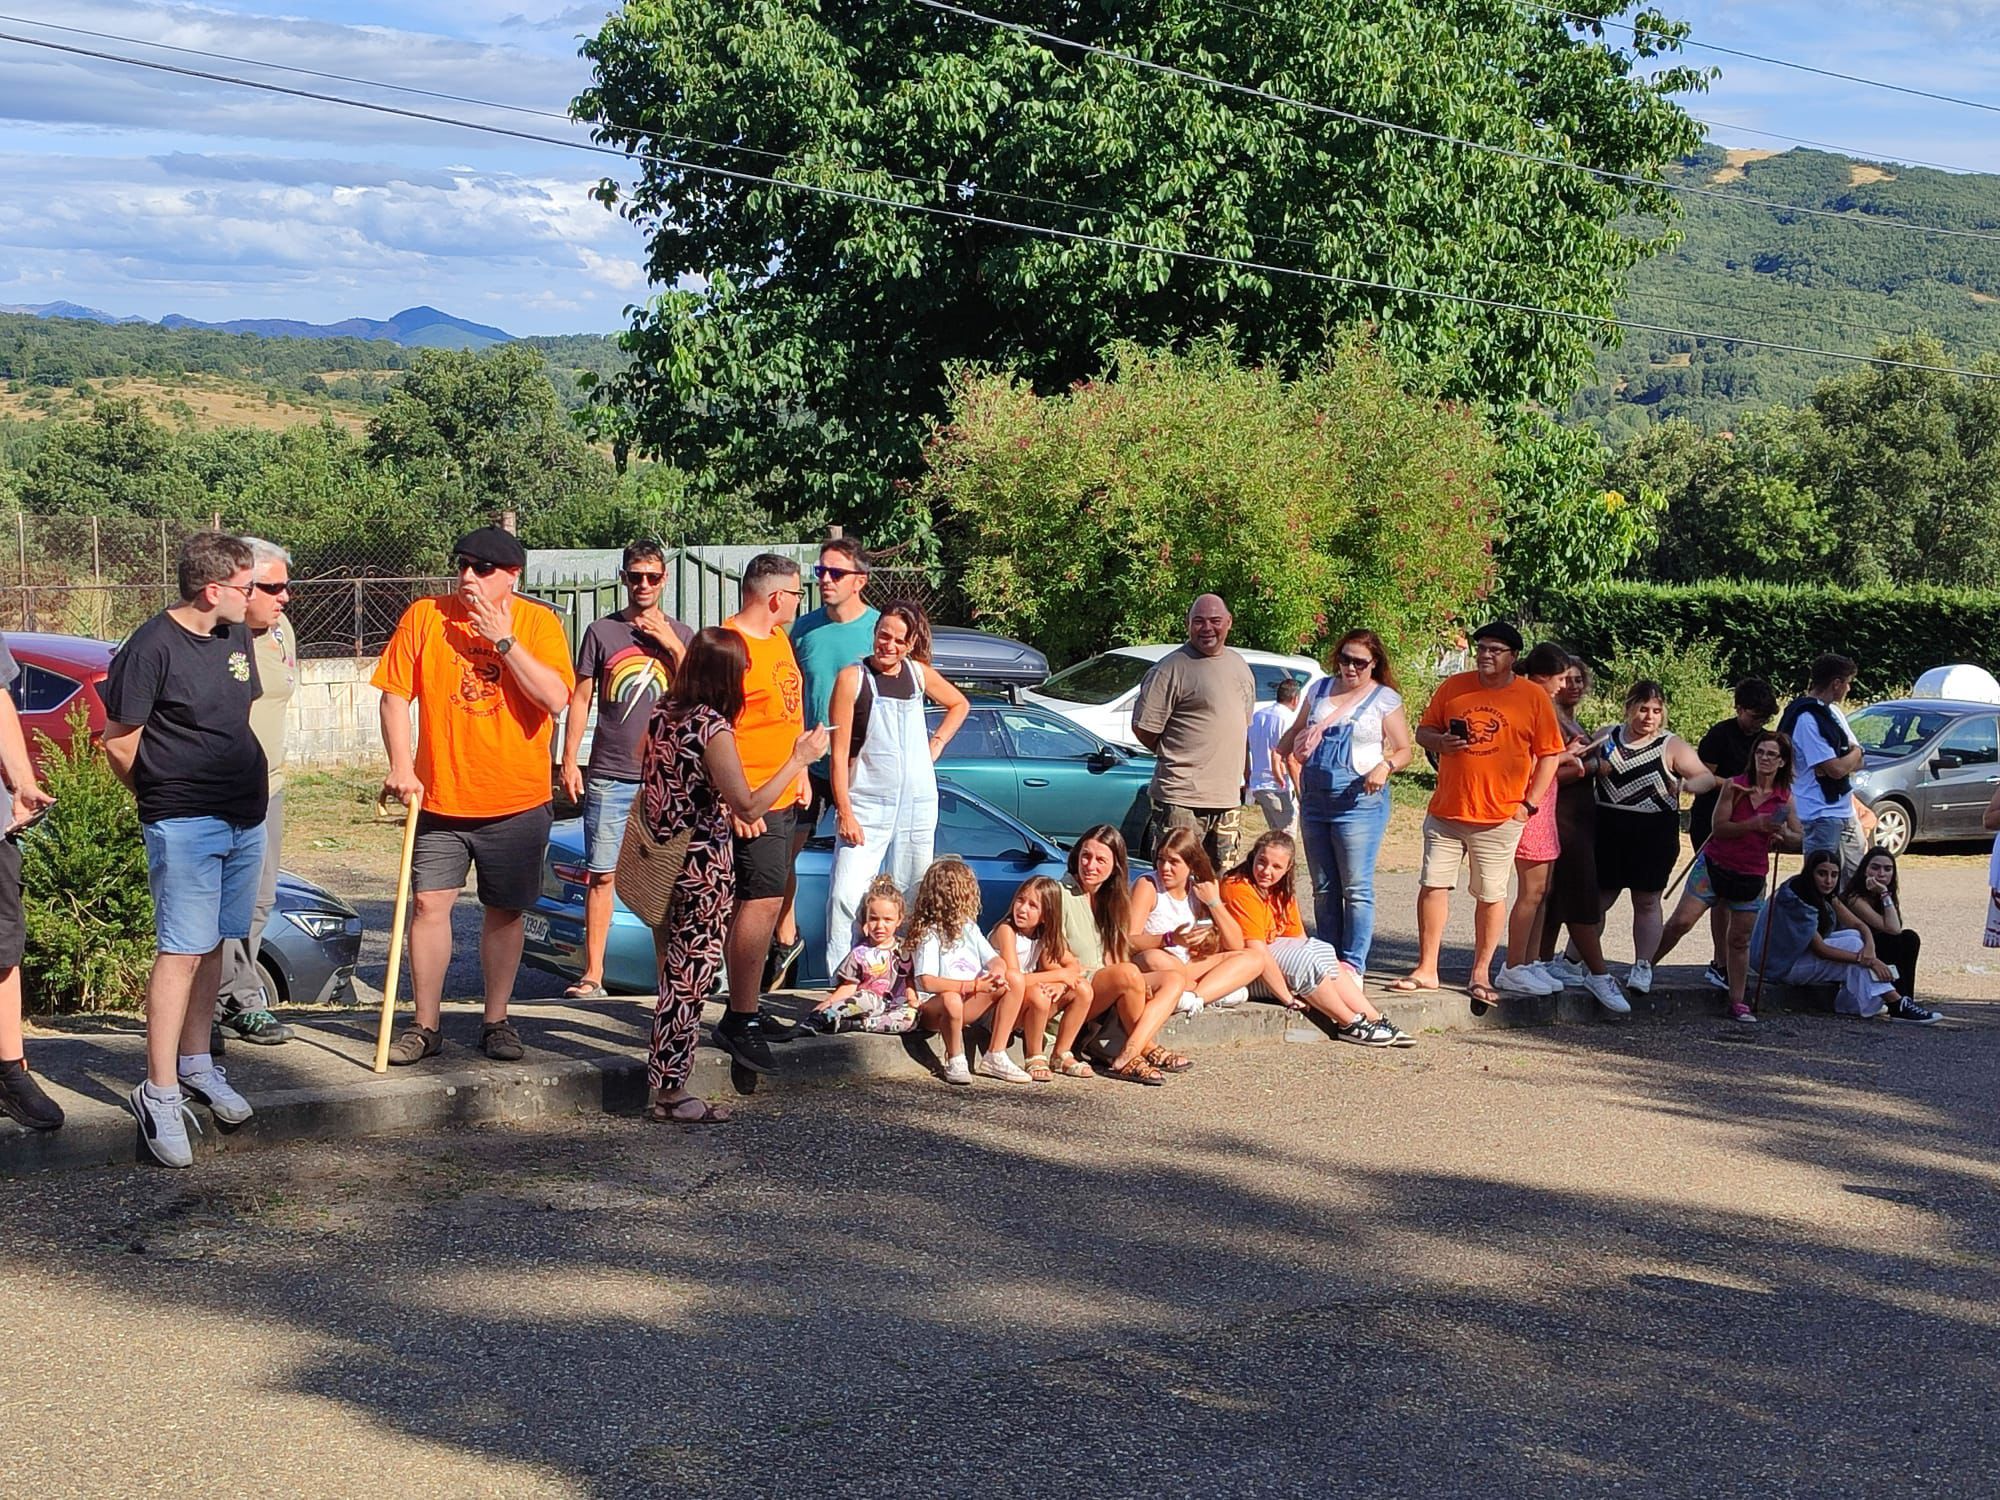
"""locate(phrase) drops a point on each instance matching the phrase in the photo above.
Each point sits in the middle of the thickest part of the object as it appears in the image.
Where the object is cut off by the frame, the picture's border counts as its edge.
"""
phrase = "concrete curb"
(591, 1058)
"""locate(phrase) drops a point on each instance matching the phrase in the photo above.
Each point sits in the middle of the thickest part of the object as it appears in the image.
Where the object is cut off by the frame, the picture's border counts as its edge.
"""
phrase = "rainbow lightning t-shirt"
(631, 672)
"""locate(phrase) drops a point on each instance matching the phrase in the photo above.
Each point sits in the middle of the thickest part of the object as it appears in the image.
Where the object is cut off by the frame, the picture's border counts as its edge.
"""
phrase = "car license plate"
(535, 927)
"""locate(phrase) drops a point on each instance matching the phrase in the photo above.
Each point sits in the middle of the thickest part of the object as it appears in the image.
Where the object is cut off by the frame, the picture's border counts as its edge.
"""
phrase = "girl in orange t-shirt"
(1299, 971)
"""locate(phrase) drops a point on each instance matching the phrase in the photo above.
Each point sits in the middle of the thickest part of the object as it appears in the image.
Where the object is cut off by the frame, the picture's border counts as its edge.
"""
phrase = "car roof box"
(973, 656)
(1967, 683)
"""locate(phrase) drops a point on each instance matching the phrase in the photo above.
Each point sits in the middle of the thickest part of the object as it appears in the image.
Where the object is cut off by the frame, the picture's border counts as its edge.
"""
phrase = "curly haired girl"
(958, 973)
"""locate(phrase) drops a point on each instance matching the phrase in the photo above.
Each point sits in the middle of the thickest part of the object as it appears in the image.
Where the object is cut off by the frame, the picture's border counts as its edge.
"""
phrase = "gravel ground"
(1660, 1260)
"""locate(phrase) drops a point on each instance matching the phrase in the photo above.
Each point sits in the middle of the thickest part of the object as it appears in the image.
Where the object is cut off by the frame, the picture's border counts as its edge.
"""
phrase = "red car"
(57, 673)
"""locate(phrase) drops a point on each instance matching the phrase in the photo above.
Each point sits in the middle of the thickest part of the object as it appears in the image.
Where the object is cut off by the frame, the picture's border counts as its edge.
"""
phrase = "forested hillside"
(1788, 278)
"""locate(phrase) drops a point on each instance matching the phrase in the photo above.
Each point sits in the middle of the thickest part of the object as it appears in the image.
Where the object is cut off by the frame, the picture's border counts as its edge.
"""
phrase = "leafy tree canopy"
(812, 346)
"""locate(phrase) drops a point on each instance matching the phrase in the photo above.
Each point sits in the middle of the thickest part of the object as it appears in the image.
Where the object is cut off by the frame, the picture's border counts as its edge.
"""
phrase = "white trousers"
(1860, 991)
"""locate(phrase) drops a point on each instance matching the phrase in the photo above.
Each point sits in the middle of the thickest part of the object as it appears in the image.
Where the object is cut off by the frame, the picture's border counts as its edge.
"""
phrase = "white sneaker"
(1565, 971)
(999, 1065)
(1639, 979)
(163, 1126)
(1604, 990)
(1189, 1004)
(1519, 979)
(212, 1088)
(1541, 972)
(1231, 1000)
(1715, 978)
(955, 1069)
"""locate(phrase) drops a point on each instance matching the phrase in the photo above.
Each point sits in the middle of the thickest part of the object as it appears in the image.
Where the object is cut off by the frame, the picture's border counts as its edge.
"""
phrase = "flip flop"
(583, 991)
(1409, 986)
(1483, 997)
(688, 1111)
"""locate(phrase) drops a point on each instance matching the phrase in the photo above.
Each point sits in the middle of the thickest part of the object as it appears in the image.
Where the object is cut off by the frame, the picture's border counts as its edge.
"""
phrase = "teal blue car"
(1044, 769)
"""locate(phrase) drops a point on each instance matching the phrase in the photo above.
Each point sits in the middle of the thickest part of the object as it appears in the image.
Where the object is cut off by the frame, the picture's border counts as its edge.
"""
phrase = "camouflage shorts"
(1218, 826)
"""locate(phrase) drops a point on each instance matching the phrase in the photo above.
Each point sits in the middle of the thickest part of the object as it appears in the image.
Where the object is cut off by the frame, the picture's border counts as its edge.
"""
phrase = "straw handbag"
(648, 867)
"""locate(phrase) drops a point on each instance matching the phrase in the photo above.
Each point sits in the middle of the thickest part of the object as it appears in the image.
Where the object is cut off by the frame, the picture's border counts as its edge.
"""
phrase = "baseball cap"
(491, 544)
(1501, 632)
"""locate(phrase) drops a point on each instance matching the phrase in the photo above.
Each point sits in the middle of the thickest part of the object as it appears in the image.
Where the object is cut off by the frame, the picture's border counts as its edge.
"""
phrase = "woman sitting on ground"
(1299, 972)
(1808, 936)
(1096, 922)
(1753, 815)
(1178, 920)
(1873, 896)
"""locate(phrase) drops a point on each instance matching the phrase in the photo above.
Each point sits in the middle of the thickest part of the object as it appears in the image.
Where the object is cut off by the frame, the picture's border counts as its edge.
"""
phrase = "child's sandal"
(1038, 1068)
(1068, 1066)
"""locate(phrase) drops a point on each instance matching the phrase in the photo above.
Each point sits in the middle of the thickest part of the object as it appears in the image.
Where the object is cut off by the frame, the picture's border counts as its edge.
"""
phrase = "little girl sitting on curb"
(874, 989)
(1032, 949)
(959, 975)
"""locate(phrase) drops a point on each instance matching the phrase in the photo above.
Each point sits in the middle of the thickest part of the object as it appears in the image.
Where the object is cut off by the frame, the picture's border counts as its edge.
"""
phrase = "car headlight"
(317, 925)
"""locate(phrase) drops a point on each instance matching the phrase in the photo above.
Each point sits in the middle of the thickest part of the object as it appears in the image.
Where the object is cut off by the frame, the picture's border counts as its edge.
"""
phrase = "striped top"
(1636, 778)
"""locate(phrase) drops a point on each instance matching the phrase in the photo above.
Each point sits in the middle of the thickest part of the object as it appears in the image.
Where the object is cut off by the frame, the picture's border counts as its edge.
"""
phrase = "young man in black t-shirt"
(1725, 750)
(177, 700)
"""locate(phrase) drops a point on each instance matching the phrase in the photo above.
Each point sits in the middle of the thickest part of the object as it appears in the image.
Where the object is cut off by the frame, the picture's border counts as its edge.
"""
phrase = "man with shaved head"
(1193, 712)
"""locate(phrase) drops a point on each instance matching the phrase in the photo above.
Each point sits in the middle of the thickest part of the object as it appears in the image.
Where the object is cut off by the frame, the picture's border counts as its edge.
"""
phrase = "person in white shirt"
(1272, 787)
(1827, 754)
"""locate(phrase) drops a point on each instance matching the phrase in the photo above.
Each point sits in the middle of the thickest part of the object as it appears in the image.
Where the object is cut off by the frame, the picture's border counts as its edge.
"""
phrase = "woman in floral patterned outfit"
(691, 778)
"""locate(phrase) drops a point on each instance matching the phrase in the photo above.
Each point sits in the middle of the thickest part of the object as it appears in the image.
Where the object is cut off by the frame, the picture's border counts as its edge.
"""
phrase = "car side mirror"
(1103, 758)
(1946, 760)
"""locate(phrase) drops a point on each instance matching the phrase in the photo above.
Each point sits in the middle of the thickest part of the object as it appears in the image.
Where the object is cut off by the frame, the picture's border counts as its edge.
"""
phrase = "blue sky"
(140, 193)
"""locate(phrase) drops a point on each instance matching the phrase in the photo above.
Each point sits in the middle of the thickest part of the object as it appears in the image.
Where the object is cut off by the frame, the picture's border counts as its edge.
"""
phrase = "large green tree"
(805, 347)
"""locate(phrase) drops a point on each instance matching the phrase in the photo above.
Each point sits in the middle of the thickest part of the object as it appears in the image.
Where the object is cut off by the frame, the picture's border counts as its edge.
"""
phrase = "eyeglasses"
(795, 593)
(1355, 663)
(245, 589)
(1491, 648)
(479, 565)
(644, 580)
(1770, 752)
(833, 575)
(273, 589)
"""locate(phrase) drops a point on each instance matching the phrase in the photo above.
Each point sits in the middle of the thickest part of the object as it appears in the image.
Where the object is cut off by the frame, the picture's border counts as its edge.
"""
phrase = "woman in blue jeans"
(1350, 737)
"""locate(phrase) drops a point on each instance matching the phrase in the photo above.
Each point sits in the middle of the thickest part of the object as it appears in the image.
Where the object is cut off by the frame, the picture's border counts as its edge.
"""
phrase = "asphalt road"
(1656, 1260)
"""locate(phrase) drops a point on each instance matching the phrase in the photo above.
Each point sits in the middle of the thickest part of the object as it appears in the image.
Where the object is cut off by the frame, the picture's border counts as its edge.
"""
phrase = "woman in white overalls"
(884, 789)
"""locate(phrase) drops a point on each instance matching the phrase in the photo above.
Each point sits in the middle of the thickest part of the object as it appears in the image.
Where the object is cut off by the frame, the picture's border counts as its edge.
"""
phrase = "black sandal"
(671, 1114)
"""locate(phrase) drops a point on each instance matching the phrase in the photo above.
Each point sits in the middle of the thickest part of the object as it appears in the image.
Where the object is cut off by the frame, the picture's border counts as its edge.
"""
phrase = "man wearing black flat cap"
(489, 671)
(1497, 740)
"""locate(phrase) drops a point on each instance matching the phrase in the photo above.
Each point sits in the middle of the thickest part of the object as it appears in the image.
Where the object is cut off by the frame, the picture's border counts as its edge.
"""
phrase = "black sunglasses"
(275, 589)
(1358, 663)
(479, 565)
(833, 575)
(642, 580)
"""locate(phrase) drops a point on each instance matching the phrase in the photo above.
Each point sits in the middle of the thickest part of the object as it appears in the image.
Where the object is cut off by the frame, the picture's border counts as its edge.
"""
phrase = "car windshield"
(1897, 729)
(1097, 680)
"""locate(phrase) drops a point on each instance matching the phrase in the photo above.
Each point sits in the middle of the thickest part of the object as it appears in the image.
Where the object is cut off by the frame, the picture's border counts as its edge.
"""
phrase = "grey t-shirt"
(1200, 708)
(631, 672)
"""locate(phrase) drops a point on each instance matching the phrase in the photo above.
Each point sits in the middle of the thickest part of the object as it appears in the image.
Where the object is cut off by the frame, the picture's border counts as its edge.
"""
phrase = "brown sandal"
(1168, 1062)
(678, 1113)
(1038, 1068)
(1138, 1070)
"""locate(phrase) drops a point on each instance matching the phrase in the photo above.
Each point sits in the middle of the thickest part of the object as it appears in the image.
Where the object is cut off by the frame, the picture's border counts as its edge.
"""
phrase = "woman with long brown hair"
(1097, 924)
(1179, 921)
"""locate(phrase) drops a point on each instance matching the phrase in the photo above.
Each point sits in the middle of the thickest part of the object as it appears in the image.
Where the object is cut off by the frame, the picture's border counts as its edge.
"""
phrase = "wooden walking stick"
(1770, 925)
(396, 931)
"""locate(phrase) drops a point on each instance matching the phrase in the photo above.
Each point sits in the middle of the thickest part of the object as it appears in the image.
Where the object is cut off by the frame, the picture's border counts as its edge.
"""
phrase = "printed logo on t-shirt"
(791, 689)
(634, 678)
(1484, 727)
(478, 684)
(239, 666)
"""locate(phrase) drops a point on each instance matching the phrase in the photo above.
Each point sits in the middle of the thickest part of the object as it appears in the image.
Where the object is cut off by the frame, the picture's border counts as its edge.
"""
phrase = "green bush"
(1692, 676)
(88, 908)
(1774, 630)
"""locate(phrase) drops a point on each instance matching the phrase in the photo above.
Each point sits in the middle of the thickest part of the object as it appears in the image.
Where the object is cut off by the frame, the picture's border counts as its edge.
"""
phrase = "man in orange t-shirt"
(1497, 741)
(488, 672)
(772, 720)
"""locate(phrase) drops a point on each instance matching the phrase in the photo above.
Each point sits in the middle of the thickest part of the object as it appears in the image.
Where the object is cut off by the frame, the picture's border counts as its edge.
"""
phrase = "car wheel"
(274, 982)
(1892, 826)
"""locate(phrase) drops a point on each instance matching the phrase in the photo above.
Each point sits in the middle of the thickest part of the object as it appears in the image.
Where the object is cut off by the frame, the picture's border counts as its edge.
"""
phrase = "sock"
(159, 1095)
(13, 1064)
(194, 1062)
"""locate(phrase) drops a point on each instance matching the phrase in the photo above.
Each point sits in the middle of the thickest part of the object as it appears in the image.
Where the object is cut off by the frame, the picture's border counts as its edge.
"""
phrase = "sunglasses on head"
(479, 565)
(833, 575)
(644, 580)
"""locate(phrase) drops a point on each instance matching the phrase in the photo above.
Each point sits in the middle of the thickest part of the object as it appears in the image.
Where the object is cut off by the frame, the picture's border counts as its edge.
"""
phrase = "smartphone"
(1460, 728)
(28, 822)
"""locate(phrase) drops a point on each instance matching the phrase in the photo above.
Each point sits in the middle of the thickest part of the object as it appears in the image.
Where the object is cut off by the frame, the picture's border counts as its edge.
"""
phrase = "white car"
(1098, 692)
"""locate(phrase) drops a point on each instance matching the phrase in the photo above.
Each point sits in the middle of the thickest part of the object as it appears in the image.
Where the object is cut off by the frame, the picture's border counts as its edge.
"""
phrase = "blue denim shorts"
(204, 873)
(606, 805)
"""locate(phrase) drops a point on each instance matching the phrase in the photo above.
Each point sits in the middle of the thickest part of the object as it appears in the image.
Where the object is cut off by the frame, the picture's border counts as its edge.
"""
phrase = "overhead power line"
(1186, 75)
(1465, 299)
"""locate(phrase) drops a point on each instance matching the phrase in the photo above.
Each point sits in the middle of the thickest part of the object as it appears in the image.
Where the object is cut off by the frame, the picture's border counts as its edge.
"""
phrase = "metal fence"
(102, 576)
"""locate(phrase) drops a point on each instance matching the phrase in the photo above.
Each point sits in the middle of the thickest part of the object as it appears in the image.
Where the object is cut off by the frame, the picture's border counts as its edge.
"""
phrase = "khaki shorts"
(1489, 846)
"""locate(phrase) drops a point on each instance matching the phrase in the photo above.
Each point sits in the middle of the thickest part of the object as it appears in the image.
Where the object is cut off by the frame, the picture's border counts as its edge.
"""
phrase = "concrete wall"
(335, 715)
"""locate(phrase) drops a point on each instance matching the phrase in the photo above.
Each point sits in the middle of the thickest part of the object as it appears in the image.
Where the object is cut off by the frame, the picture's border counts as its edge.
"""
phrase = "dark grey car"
(1930, 768)
(310, 944)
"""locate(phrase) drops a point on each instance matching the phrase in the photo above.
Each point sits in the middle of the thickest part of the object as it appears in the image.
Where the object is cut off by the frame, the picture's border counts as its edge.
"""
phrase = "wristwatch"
(1532, 809)
(502, 646)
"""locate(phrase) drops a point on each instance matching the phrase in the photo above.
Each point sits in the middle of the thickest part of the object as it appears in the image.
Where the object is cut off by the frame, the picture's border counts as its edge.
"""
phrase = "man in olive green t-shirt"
(1193, 712)
(242, 1009)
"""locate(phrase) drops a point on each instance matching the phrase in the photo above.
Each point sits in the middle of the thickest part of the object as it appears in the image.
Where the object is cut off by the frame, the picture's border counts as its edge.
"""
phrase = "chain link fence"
(102, 576)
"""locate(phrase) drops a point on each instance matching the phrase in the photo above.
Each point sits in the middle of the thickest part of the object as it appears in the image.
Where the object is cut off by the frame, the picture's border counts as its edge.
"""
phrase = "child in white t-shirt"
(959, 976)
(874, 988)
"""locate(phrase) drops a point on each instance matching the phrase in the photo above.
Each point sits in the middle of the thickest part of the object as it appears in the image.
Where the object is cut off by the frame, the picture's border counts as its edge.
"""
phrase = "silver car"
(1930, 768)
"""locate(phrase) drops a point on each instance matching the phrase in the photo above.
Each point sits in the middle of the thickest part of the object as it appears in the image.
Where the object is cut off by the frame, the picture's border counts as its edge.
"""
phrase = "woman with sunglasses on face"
(1874, 897)
(1351, 735)
(1753, 816)
(885, 794)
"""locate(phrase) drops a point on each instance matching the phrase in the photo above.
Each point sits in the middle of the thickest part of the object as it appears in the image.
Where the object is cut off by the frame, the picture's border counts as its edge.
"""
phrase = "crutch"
(1770, 922)
(396, 931)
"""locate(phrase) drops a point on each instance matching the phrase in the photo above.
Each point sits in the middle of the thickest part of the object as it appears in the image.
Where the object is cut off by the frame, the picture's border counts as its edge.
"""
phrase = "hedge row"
(1775, 630)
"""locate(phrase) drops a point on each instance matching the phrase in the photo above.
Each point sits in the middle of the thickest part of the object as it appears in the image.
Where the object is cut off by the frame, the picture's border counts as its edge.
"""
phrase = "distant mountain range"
(414, 327)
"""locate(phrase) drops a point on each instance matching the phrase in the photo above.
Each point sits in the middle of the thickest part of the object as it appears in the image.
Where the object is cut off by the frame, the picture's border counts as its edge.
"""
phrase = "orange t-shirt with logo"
(1261, 919)
(1509, 729)
(774, 712)
(482, 743)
